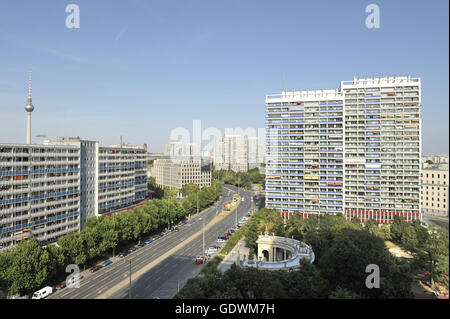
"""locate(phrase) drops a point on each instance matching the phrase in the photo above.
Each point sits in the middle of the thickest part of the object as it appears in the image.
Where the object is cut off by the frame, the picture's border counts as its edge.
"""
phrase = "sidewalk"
(232, 257)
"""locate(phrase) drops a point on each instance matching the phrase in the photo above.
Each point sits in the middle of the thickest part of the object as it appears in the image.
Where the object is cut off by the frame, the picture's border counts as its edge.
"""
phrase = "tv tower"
(29, 108)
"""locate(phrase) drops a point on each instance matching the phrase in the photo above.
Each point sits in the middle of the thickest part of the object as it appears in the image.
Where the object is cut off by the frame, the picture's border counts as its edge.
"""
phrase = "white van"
(44, 292)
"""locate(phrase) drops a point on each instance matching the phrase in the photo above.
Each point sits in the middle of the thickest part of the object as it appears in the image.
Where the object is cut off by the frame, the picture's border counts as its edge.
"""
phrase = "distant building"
(175, 173)
(237, 153)
(434, 190)
(180, 150)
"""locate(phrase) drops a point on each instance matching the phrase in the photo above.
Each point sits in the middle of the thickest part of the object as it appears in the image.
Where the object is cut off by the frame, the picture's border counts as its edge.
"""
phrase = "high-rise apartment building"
(180, 150)
(39, 192)
(237, 153)
(49, 190)
(354, 150)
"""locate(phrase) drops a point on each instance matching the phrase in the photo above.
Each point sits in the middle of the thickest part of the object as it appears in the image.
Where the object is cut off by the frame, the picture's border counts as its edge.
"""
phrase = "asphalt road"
(163, 280)
(441, 221)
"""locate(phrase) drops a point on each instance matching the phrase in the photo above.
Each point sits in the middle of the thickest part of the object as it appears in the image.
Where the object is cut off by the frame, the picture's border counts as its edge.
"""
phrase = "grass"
(390, 244)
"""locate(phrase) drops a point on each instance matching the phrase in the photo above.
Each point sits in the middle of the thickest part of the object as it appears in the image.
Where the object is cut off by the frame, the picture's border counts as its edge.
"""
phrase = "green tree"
(26, 267)
(72, 248)
(436, 253)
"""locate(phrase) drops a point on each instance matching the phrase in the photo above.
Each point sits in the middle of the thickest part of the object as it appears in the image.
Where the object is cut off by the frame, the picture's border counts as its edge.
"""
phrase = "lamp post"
(203, 231)
(129, 289)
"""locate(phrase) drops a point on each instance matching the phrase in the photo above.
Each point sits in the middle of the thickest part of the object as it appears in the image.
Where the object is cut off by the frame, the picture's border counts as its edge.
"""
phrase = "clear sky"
(140, 68)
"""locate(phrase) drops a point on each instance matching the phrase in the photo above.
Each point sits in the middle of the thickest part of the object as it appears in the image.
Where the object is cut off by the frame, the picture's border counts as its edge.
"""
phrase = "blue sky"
(139, 69)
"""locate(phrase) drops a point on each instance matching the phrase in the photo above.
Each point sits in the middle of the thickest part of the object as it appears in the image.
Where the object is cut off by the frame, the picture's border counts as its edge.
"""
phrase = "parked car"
(148, 241)
(199, 260)
(106, 263)
(42, 293)
(95, 268)
(227, 235)
(221, 240)
(176, 229)
(123, 254)
(61, 285)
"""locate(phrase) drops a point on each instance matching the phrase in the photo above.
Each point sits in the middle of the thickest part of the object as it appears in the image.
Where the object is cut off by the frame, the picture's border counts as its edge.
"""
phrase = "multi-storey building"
(39, 192)
(354, 150)
(50, 190)
(237, 153)
(434, 192)
(180, 150)
(122, 177)
(175, 173)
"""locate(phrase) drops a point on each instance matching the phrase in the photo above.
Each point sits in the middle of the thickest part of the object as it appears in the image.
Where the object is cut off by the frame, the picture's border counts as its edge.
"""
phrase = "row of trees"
(342, 248)
(28, 266)
(241, 179)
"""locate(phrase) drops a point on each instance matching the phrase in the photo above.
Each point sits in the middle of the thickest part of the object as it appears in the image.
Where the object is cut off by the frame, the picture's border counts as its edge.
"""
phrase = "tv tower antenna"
(29, 108)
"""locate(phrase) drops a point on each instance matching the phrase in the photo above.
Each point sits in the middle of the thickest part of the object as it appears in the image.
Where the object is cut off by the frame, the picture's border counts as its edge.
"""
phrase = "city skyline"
(151, 67)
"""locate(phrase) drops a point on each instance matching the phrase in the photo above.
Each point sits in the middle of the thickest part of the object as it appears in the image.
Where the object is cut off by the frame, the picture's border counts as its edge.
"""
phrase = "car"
(232, 230)
(106, 263)
(221, 240)
(141, 245)
(148, 241)
(199, 260)
(227, 235)
(61, 285)
(123, 254)
(75, 278)
(176, 229)
(42, 293)
(95, 268)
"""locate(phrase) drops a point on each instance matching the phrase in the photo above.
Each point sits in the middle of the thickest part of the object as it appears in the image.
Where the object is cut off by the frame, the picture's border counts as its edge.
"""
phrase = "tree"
(25, 267)
(189, 189)
(342, 293)
(436, 252)
(72, 248)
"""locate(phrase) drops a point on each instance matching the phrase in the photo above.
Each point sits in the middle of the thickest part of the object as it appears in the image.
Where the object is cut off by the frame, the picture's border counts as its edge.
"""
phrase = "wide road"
(164, 280)
(438, 220)
(168, 269)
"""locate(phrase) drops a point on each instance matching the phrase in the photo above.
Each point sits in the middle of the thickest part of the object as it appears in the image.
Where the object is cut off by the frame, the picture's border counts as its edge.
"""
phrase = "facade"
(39, 192)
(354, 150)
(237, 153)
(122, 176)
(175, 173)
(49, 190)
(179, 149)
(434, 192)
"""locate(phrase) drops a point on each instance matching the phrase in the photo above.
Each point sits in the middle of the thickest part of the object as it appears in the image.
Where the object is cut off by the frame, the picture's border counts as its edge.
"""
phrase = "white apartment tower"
(237, 153)
(353, 150)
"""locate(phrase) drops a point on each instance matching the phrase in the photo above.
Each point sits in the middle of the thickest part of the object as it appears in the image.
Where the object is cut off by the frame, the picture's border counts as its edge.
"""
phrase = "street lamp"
(203, 231)
(129, 289)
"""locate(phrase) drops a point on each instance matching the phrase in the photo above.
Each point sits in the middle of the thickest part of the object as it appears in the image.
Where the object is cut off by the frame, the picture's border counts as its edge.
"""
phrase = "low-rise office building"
(434, 192)
(175, 173)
